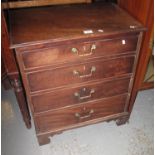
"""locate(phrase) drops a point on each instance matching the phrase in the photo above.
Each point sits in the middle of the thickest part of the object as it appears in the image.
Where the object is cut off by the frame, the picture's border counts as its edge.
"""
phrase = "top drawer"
(75, 52)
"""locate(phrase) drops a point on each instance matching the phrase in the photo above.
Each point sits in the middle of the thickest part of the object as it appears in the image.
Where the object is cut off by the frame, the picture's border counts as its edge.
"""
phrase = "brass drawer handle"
(76, 94)
(77, 115)
(93, 69)
(75, 50)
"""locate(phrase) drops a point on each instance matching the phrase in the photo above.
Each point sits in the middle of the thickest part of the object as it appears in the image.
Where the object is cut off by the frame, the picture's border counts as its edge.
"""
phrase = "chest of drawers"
(77, 64)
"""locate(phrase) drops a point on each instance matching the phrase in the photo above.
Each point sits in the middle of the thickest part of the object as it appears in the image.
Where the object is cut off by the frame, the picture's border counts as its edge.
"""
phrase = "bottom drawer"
(71, 116)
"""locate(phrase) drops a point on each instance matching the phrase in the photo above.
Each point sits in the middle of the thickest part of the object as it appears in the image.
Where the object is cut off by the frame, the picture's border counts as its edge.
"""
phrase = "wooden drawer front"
(72, 96)
(70, 53)
(48, 79)
(71, 116)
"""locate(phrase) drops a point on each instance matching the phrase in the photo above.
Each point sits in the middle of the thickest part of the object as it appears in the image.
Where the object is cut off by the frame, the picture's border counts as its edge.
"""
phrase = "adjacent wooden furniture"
(143, 11)
(77, 64)
(10, 74)
(6, 4)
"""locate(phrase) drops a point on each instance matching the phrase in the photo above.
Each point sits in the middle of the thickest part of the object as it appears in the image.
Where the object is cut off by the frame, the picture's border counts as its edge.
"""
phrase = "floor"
(135, 138)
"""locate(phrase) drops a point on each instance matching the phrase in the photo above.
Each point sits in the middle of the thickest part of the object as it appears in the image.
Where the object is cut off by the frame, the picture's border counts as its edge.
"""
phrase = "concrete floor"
(135, 138)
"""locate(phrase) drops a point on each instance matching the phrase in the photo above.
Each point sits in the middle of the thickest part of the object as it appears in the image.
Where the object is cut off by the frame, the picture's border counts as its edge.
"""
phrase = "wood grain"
(143, 11)
(139, 8)
(50, 28)
(49, 81)
(7, 54)
(63, 53)
(62, 118)
(37, 3)
(66, 97)
(59, 77)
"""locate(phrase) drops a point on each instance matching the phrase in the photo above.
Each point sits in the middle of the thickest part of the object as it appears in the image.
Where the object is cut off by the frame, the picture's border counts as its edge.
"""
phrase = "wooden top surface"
(57, 23)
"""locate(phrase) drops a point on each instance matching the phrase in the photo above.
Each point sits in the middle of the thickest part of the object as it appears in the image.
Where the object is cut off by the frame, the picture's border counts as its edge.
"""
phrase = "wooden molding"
(147, 85)
(32, 3)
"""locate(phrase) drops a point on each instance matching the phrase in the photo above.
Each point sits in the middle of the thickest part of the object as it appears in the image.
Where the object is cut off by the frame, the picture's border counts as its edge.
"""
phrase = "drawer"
(58, 77)
(72, 52)
(72, 116)
(73, 96)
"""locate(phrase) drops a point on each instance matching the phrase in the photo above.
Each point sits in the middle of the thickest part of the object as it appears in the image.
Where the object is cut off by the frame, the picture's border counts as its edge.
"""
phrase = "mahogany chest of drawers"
(77, 64)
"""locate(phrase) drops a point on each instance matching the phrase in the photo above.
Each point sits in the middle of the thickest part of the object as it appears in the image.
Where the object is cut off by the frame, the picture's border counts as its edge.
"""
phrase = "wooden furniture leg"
(21, 100)
(43, 139)
(6, 82)
(122, 120)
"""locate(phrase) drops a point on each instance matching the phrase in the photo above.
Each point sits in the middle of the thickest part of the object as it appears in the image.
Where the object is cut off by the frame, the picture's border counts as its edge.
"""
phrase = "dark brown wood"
(88, 92)
(7, 54)
(144, 13)
(10, 78)
(42, 140)
(142, 10)
(135, 8)
(45, 138)
(60, 119)
(122, 120)
(96, 70)
(55, 79)
(6, 82)
(147, 85)
(35, 3)
(64, 54)
(4, 77)
(19, 92)
(134, 74)
(50, 28)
